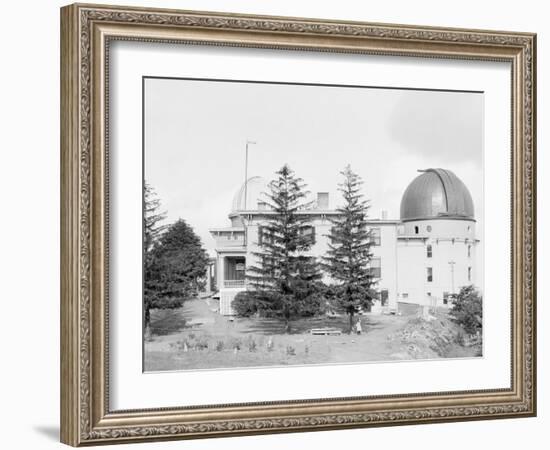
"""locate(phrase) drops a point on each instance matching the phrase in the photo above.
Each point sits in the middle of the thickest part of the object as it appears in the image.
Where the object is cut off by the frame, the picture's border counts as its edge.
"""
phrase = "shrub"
(467, 310)
(245, 304)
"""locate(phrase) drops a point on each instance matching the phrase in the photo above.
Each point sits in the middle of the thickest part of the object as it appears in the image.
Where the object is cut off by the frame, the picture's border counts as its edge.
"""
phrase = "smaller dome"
(250, 195)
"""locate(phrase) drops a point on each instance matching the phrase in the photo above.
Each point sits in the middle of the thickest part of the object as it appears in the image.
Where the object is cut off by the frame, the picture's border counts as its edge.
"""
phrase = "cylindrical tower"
(437, 210)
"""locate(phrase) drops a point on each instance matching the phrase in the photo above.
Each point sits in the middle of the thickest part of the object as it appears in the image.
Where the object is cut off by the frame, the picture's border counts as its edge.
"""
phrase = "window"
(445, 298)
(430, 275)
(262, 206)
(309, 233)
(469, 274)
(429, 251)
(376, 268)
(429, 228)
(322, 200)
(415, 230)
(375, 236)
(405, 295)
(469, 251)
(383, 297)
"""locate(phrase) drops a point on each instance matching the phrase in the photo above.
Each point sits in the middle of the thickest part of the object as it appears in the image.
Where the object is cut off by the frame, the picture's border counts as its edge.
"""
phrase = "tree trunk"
(350, 322)
(147, 325)
(287, 325)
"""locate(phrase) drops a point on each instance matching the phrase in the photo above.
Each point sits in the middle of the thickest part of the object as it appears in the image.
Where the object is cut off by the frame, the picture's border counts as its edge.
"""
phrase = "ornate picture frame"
(86, 34)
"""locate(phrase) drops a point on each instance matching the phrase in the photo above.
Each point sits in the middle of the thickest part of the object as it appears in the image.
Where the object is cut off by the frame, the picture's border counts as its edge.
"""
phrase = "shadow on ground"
(49, 431)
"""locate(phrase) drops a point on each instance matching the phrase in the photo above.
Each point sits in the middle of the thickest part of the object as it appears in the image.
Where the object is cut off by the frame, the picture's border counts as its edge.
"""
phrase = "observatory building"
(424, 257)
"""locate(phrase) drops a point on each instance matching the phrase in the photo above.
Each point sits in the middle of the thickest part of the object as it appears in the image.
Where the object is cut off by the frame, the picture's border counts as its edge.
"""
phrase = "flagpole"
(248, 142)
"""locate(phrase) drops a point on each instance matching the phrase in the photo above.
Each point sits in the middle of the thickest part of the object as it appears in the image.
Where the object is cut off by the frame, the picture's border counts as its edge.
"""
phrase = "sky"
(196, 131)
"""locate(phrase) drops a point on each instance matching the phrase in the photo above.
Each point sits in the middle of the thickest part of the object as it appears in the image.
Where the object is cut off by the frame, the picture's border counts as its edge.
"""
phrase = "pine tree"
(284, 283)
(152, 217)
(349, 253)
(152, 230)
(176, 270)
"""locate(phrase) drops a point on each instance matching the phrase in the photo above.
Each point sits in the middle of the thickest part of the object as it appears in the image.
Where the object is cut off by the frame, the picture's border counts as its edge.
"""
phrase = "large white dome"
(250, 195)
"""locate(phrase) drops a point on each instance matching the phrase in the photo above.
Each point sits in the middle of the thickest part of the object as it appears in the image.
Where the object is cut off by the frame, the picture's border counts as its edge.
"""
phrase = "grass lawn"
(196, 337)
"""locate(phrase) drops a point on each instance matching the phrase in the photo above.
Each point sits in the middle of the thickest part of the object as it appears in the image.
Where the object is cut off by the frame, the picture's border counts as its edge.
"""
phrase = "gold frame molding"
(86, 31)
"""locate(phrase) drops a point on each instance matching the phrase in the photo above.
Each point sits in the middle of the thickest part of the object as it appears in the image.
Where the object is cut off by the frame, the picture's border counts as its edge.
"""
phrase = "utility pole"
(248, 142)
(452, 264)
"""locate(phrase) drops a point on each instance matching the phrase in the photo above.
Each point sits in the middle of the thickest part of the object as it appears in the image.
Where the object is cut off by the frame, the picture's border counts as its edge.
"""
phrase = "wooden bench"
(326, 331)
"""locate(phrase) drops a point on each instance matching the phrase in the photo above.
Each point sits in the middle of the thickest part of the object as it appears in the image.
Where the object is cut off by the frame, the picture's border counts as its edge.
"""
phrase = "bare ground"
(197, 337)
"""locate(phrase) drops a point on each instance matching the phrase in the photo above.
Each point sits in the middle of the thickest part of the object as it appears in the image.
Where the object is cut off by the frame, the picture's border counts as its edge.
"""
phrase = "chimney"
(322, 200)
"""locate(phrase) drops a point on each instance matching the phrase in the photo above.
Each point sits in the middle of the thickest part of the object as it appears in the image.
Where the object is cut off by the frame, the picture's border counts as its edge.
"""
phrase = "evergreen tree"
(152, 218)
(285, 282)
(349, 253)
(176, 270)
(152, 230)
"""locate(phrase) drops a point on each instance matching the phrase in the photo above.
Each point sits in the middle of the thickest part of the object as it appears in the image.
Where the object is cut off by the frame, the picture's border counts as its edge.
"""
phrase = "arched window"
(469, 251)
(429, 251)
(415, 230)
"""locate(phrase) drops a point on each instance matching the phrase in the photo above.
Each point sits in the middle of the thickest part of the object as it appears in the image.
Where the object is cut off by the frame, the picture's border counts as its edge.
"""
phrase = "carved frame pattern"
(86, 418)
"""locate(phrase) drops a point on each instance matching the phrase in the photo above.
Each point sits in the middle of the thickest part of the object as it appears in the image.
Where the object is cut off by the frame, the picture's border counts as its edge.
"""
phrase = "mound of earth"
(431, 337)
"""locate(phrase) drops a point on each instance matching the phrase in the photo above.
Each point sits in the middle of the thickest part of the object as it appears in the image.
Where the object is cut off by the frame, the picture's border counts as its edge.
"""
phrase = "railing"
(233, 283)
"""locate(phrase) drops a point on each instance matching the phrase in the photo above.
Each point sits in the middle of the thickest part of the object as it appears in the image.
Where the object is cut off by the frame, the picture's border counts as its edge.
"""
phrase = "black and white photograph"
(298, 224)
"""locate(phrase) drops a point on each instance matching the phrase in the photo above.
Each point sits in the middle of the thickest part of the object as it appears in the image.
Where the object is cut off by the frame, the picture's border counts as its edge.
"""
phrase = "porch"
(232, 281)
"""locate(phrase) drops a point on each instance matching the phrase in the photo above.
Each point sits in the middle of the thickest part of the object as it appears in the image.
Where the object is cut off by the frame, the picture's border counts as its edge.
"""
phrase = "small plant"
(252, 346)
(460, 339)
(201, 344)
(237, 344)
(290, 350)
(181, 345)
(220, 346)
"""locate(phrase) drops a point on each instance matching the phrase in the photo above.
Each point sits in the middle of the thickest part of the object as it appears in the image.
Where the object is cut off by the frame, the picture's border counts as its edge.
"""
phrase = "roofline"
(414, 219)
(309, 212)
(229, 229)
(270, 212)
